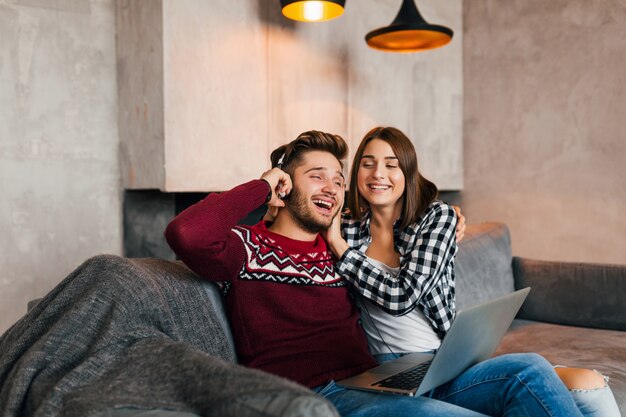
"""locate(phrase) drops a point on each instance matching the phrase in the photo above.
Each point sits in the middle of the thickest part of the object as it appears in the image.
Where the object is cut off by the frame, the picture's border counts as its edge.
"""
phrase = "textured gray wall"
(544, 110)
(59, 178)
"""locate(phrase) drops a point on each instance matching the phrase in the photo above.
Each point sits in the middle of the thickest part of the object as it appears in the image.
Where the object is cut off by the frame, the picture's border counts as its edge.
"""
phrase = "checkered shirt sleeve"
(426, 277)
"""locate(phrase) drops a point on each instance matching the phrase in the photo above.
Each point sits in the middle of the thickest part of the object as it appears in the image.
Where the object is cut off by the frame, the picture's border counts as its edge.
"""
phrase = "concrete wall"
(544, 108)
(59, 178)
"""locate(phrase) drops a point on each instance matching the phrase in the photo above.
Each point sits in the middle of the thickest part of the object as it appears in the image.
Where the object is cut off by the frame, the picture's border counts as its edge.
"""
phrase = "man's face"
(318, 191)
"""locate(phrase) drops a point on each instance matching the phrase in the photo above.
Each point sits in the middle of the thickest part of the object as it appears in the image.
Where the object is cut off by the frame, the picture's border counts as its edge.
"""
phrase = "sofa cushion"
(483, 264)
(578, 347)
(578, 294)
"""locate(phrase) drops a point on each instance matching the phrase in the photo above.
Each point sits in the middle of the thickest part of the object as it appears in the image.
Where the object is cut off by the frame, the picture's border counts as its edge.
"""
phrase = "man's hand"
(460, 224)
(280, 184)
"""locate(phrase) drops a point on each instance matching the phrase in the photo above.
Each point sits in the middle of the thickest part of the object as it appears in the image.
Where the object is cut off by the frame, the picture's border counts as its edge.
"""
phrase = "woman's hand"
(460, 224)
(333, 237)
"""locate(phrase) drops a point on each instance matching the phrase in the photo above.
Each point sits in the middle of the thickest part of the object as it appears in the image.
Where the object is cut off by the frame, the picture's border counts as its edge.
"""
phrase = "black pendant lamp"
(409, 32)
(312, 10)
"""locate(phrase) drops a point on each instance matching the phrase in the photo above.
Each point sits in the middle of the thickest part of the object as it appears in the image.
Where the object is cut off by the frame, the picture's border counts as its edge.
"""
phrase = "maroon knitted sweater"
(289, 310)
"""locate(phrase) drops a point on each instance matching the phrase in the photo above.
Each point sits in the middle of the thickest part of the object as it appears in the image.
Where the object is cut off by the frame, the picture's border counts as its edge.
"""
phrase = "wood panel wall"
(209, 89)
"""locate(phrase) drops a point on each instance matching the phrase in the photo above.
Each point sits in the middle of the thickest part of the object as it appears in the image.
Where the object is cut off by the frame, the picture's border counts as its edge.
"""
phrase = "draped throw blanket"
(140, 333)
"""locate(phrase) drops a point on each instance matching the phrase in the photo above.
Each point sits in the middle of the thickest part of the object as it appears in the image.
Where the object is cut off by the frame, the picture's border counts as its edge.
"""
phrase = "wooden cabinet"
(207, 89)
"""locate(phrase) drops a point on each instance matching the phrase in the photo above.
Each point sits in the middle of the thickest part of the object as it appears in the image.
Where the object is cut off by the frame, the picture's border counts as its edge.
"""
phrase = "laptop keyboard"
(407, 380)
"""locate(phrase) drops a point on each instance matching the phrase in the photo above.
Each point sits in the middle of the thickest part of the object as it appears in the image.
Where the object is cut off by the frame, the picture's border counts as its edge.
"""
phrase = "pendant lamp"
(312, 10)
(409, 32)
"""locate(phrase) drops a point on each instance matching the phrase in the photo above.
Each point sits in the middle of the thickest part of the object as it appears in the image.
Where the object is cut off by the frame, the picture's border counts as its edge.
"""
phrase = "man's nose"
(331, 187)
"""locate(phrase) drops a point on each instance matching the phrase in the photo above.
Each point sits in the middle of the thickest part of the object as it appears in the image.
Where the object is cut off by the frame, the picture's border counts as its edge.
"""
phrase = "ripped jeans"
(591, 403)
(598, 402)
(513, 385)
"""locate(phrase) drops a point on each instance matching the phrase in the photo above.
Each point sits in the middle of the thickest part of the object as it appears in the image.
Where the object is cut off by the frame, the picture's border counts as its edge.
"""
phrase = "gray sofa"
(575, 314)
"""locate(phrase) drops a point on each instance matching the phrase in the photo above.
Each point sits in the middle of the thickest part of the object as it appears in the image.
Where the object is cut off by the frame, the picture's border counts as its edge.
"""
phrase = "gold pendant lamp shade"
(409, 32)
(312, 10)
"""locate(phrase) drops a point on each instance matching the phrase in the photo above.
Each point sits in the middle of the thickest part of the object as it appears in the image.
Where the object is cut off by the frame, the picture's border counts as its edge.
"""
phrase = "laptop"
(473, 337)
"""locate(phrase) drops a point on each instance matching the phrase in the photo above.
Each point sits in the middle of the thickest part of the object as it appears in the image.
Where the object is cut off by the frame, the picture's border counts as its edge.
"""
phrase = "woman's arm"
(428, 255)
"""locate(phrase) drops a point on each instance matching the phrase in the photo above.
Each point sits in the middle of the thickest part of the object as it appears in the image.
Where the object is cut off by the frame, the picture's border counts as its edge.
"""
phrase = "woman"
(398, 253)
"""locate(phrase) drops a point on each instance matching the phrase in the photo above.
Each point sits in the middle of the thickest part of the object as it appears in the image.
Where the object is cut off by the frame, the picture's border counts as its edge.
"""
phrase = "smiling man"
(290, 312)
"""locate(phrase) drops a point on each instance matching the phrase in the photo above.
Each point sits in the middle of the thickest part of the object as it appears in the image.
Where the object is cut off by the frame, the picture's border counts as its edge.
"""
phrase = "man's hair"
(288, 157)
(419, 192)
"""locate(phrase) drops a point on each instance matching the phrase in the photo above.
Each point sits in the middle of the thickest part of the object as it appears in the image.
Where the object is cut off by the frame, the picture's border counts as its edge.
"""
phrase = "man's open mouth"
(325, 205)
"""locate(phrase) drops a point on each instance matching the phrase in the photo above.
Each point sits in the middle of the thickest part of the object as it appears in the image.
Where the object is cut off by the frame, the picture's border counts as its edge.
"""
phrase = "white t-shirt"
(411, 332)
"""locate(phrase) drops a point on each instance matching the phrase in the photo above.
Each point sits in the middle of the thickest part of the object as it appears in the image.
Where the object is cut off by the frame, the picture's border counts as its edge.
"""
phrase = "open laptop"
(472, 338)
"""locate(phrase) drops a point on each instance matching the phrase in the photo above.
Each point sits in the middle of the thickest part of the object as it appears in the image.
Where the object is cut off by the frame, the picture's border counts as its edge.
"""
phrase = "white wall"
(60, 200)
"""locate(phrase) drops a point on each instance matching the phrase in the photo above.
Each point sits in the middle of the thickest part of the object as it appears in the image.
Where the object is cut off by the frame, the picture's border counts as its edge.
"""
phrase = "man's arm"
(201, 235)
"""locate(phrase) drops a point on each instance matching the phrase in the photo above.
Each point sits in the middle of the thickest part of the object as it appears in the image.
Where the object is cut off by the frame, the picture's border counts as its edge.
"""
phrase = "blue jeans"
(514, 385)
(519, 384)
(353, 403)
(598, 402)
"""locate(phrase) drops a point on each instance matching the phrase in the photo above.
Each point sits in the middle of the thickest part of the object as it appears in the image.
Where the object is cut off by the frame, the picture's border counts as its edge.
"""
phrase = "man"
(290, 313)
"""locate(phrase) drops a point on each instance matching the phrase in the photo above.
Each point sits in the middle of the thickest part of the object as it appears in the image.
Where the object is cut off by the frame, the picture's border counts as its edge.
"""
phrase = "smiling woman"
(380, 180)
(396, 222)
(397, 250)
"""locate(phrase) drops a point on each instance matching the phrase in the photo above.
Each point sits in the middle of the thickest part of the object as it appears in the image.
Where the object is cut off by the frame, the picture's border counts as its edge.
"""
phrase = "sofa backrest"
(215, 295)
(573, 293)
(483, 264)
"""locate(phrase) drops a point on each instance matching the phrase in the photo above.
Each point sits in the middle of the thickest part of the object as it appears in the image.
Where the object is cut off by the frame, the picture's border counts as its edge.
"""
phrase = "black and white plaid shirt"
(426, 278)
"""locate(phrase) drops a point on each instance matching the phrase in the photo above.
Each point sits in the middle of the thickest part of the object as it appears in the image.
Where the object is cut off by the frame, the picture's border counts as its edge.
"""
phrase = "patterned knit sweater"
(290, 312)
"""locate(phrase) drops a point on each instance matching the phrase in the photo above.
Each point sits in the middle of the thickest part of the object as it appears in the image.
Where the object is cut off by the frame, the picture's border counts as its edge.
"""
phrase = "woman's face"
(380, 180)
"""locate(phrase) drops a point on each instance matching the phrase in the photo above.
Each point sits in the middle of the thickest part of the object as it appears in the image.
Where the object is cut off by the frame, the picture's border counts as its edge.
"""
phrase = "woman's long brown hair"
(419, 192)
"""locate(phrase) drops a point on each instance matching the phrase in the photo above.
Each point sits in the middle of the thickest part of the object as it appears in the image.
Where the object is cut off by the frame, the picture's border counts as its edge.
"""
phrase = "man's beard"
(302, 214)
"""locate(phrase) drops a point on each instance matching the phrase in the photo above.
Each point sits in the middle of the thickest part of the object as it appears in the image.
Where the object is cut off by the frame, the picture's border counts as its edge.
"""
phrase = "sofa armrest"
(578, 294)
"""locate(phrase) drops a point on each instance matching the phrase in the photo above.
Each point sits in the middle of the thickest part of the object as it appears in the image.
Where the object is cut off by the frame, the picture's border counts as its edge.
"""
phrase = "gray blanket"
(133, 333)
